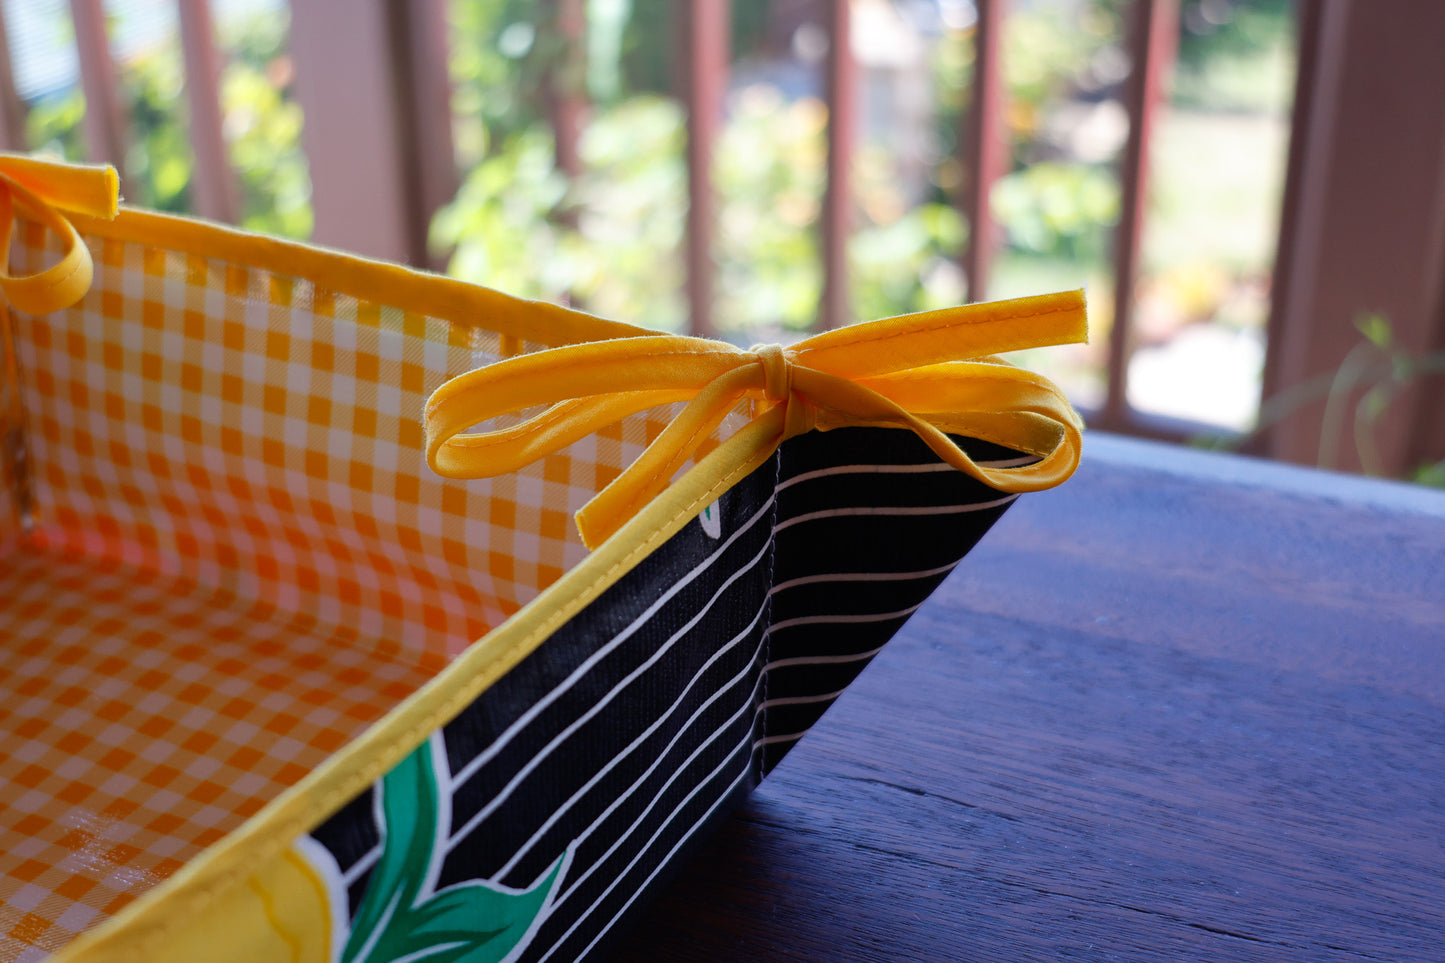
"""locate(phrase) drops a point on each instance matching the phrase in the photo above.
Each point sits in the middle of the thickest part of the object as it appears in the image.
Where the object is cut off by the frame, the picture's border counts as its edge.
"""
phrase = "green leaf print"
(471, 922)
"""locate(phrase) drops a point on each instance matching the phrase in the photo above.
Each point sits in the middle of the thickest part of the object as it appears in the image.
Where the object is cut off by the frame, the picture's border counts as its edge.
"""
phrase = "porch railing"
(371, 76)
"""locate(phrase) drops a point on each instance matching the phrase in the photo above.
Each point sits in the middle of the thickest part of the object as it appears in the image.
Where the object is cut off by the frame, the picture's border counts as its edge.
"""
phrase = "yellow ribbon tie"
(901, 372)
(43, 189)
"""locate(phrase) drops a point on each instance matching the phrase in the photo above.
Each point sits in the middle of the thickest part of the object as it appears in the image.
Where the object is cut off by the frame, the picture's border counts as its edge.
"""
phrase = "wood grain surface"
(1187, 707)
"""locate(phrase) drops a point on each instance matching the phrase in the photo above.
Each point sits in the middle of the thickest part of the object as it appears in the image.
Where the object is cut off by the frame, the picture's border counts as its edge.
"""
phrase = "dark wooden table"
(1187, 707)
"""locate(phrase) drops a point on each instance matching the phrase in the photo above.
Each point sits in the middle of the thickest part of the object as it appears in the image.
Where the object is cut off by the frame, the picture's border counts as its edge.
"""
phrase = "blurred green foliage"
(1357, 396)
(262, 126)
(611, 237)
(769, 257)
(606, 239)
(1235, 55)
(1056, 209)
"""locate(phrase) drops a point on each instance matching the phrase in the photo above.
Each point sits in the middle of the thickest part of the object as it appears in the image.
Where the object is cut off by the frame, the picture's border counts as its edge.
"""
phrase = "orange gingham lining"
(143, 718)
(11, 423)
(9, 510)
(264, 435)
(261, 436)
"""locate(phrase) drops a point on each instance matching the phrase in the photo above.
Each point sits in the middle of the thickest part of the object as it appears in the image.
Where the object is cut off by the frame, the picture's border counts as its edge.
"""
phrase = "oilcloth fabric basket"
(297, 664)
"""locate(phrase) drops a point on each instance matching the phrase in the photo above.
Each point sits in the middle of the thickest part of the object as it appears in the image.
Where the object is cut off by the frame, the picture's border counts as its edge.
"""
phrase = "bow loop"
(44, 189)
(932, 374)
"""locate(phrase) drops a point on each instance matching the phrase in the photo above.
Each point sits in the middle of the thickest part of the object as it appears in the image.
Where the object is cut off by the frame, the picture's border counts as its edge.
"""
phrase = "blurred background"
(1260, 238)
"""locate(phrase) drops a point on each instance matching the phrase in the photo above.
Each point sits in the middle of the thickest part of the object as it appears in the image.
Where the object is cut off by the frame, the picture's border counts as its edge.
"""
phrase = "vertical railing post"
(104, 122)
(1362, 234)
(563, 90)
(371, 81)
(346, 87)
(565, 83)
(984, 142)
(12, 109)
(705, 43)
(424, 118)
(1152, 45)
(835, 309)
(213, 186)
(1298, 224)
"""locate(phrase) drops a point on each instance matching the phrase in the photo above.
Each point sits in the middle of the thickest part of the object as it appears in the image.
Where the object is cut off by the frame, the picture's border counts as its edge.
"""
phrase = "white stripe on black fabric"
(844, 619)
(667, 750)
(775, 740)
(801, 700)
(642, 851)
(358, 868)
(875, 469)
(602, 703)
(913, 469)
(514, 846)
(563, 754)
(858, 549)
(831, 577)
(491, 751)
(822, 659)
(663, 863)
(857, 511)
(573, 885)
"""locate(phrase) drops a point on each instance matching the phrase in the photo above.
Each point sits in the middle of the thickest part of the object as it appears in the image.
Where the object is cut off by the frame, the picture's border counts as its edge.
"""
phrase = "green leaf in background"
(471, 922)
(1376, 329)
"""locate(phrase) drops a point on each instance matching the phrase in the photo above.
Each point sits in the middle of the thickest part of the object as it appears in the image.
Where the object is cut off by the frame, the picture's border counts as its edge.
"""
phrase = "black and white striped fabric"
(663, 702)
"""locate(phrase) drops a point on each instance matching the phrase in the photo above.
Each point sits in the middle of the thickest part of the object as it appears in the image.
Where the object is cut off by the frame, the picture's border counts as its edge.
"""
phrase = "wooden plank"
(213, 188)
(705, 39)
(346, 86)
(1426, 442)
(565, 83)
(565, 92)
(1295, 245)
(1152, 43)
(1364, 225)
(1093, 745)
(104, 122)
(12, 109)
(983, 139)
(424, 120)
(837, 226)
(371, 78)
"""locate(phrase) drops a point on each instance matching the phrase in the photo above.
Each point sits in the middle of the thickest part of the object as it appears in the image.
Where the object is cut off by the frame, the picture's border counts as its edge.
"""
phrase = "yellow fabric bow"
(901, 372)
(44, 189)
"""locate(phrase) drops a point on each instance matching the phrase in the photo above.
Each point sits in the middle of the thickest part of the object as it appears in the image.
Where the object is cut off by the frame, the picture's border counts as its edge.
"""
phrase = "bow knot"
(901, 372)
(777, 372)
(778, 390)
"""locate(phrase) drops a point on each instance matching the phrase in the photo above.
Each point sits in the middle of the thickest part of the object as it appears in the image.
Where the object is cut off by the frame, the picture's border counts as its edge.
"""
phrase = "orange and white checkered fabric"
(236, 559)
(11, 441)
(146, 716)
(9, 509)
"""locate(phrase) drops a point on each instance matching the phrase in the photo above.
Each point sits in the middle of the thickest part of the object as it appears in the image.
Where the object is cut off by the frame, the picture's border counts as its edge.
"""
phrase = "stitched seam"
(56, 282)
(803, 347)
(941, 325)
